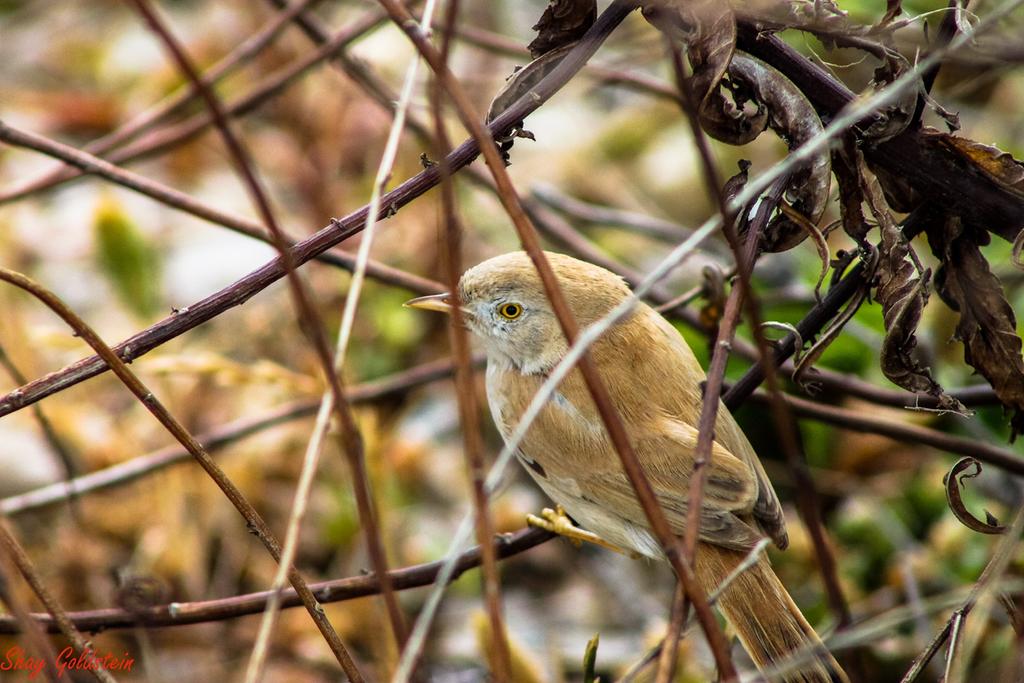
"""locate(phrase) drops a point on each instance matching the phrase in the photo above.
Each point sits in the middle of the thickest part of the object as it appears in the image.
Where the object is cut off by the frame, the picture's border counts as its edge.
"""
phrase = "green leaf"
(128, 260)
(590, 660)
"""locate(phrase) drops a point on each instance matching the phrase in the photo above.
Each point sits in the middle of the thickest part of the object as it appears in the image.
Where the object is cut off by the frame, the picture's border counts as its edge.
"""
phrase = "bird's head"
(504, 304)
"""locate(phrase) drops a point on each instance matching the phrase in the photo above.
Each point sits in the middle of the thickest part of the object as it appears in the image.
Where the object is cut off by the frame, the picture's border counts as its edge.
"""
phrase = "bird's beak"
(433, 302)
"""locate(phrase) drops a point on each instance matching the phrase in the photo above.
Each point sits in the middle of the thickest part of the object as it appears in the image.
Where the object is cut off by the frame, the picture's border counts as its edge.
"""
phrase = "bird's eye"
(510, 311)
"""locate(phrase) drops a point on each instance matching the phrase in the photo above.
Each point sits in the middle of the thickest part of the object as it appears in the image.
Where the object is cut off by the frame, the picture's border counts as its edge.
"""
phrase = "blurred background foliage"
(75, 71)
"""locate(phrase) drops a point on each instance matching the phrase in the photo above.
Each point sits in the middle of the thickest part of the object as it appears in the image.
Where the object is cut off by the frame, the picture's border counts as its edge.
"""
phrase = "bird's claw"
(557, 522)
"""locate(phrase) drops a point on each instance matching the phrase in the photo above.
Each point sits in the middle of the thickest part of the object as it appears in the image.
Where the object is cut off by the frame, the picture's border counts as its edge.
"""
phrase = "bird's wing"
(677, 368)
(730, 490)
(767, 509)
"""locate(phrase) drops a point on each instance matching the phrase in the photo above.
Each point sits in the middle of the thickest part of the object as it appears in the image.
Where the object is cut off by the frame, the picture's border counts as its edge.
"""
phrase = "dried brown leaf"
(563, 22)
(735, 184)
(817, 237)
(708, 30)
(987, 325)
(893, 8)
(954, 481)
(902, 291)
(997, 165)
(518, 84)
(894, 118)
(794, 119)
(846, 165)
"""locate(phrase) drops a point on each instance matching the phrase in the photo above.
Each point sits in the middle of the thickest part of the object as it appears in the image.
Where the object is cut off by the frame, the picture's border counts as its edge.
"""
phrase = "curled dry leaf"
(708, 30)
(954, 481)
(894, 118)
(846, 165)
(902, 291)
(760, 96)
(559, 28)
(735, 184)
(819, 243)
(987, 325)
(563, 22)
(793, 118)
(519, 84)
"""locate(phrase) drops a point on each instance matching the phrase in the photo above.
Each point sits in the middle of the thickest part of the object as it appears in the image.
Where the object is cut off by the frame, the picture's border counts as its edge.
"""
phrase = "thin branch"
(141, 466)
(598, 391)
(176, 199)
(337, 590)
(860, 422)
(17, 555)
(660, 229)
(253, 520)
(669, 655)
(309, 320)
(465, 390)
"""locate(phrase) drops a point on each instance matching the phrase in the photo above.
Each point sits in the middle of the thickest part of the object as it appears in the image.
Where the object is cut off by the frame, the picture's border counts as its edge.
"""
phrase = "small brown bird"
(655, 384)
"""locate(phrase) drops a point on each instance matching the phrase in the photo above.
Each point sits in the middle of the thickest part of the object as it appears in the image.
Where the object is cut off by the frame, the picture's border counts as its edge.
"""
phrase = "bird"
(655, 384)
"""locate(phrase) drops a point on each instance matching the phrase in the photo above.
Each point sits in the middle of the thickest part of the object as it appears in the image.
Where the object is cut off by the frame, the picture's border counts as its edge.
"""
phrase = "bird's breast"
(566, 431)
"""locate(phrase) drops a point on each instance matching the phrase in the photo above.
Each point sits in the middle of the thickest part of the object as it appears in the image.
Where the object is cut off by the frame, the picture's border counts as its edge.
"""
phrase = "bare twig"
(954, 481)
(17, 555)
(349, 437)
(641, 224)
(144, 465)
(465, 391)
(858, 421)
(154, 406)
(598, 391)
(337, 590)
(176, 199)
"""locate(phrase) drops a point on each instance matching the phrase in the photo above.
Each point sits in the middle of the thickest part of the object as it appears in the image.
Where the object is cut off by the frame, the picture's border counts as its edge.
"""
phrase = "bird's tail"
(770, 626)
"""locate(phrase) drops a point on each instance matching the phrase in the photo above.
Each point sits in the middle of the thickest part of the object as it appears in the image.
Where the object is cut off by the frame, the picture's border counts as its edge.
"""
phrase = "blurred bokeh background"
(75, 72)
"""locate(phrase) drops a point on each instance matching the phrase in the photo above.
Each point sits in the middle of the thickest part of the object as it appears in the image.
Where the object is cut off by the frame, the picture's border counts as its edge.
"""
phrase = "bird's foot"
(557, 522)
